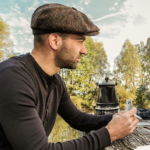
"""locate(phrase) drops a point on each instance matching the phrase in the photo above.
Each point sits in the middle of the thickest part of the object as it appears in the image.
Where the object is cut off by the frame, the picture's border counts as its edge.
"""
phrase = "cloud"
(15, 41)
(111, 30)
(34, 6)
(136, 24)
(67, 4)
(78, 6)
(35, 3)
(112, 9)
(21, 49)
(20, 32)
(15, 9)
(46, 1)
(87, 2)
(24, 0)
(112, 47)
(131, 22)
(31, 9)
(16, 21)
(138, 21)
(111, 15)
(19, 22)
(116, 3)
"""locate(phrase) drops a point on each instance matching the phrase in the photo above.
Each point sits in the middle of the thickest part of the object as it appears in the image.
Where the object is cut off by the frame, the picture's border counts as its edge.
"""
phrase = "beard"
(65, 58)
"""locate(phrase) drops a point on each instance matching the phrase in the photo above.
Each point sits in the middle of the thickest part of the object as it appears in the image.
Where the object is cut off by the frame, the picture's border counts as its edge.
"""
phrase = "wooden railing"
(140, 137)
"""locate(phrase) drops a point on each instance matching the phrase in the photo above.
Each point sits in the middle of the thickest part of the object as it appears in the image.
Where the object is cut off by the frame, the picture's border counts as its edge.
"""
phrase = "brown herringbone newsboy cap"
(51, 18)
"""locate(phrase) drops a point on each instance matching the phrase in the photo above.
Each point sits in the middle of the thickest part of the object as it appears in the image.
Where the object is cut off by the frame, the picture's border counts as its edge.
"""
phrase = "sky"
(118, 20)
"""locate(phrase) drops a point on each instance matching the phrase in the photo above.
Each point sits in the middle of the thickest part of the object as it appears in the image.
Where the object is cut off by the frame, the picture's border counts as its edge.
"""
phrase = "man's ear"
(54, 41)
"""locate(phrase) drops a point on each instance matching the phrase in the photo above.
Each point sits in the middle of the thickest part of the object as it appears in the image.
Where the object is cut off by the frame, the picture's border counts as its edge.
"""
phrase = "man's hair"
(41, 39)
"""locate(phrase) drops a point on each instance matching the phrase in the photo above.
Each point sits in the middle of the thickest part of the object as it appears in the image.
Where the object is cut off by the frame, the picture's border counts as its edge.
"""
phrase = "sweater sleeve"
(77, 119)
(83, 121)
(20, 121)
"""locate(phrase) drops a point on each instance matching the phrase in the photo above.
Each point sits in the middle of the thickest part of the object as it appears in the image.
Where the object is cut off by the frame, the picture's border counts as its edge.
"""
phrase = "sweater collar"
(54, 78)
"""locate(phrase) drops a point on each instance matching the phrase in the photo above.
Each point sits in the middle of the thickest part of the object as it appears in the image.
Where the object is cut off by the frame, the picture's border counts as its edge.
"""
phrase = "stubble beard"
(64, 59)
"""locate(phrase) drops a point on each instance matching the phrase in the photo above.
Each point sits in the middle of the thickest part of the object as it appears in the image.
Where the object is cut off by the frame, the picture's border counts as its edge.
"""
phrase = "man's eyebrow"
(81, 38)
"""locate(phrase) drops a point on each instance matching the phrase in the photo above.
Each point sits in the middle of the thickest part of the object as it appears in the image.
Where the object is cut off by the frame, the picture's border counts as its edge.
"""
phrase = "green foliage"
(101, 61)
(5, 42)
(128, 69)
(144, 52)
(77, 101)
(143, 92)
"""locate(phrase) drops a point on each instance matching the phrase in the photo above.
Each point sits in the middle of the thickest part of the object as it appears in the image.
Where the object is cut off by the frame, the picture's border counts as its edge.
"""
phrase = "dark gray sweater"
(29, 102)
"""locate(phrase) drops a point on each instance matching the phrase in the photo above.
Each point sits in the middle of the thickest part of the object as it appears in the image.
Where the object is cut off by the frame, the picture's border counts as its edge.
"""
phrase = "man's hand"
(119, 113)
(122, 124)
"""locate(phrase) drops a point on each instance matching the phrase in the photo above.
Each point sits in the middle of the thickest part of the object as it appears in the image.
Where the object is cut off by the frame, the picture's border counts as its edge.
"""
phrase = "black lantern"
(107, 102)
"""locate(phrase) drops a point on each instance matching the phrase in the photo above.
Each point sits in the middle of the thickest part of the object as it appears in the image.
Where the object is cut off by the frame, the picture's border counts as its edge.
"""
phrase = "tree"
(5, 42)
(101, 61)
(143, 92)
(128, 69)
(144, 52)
(123, 94)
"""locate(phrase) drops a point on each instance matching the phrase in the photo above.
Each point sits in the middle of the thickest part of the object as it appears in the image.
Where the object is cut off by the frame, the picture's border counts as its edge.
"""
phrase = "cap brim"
(92, 33)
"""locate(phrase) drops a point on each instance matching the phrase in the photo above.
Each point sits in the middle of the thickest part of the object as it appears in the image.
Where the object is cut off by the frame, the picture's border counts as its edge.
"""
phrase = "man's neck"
(45, 61)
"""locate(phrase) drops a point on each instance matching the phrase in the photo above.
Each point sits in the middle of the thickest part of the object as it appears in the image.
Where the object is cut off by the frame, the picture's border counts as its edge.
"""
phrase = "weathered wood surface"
(140, 137)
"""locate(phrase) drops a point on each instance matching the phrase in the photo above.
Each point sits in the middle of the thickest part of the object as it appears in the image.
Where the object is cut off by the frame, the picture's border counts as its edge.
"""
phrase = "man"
(32, 93)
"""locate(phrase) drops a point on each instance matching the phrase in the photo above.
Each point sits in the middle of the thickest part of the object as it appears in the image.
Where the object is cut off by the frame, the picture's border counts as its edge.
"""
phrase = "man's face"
(71, 50)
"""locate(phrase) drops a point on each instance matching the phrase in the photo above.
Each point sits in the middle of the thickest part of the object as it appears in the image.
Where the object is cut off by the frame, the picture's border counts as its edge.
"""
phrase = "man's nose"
(83, 50)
